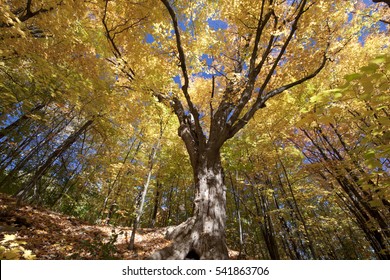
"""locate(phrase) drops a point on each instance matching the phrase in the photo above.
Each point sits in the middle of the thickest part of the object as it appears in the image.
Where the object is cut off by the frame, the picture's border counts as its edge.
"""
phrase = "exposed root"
(181, 230)
(188, 242)
(181, 244)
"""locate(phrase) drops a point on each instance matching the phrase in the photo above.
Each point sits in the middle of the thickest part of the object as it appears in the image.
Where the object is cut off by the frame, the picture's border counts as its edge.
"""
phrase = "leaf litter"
(47, 235)
(54, 236)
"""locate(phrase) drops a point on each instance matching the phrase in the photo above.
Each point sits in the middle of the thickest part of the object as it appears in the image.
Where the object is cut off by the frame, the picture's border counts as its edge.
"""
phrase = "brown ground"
(55, 236)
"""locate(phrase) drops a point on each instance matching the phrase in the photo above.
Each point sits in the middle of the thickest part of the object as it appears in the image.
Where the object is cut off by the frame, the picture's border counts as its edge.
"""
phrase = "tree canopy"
(261, 126)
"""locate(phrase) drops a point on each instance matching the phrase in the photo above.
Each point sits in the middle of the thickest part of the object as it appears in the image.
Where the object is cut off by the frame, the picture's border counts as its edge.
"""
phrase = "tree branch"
(294, 27)
(384, 1)
(247, 93)
(261, 99)
(29, 13)
(192, 109)
(297, 82)
(117, 53)
(261, 102)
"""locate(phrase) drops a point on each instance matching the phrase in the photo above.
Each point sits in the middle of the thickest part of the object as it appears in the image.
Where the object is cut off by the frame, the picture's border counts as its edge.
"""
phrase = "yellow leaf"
(28, 255)
(8, 237)
(13, 254)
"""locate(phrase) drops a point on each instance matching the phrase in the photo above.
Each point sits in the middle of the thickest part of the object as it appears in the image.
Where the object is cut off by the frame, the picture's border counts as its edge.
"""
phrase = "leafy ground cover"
(44, 234)
(31, 232)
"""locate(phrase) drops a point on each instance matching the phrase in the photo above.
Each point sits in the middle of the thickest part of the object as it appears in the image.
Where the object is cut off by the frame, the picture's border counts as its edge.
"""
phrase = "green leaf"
(380, 59)
(353, 76)
(370, 68)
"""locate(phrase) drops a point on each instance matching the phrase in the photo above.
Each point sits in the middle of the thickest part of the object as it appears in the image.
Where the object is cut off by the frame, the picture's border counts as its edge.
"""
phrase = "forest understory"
(30, 232)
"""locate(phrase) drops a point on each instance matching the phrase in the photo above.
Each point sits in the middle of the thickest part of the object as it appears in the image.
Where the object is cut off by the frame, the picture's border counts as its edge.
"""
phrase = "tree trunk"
(203, 235)
(237, 204)
(140, 210)
(22, 193)
(156, 205)
(169, 206)
(6, 130)
(30, 154)
(111, 212)
(112, 185)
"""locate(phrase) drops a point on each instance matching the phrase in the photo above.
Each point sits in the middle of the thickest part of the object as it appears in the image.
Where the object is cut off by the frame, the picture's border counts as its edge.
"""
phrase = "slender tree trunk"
(371, 221)
(237, 204)
(156, 205)
(267, 225)
(169, 205)
(292, 247)
(295, 203)
(111, 212)
(6, 130)
(71, 180)
(144, 192)
(22, 193)
(112, 185)
(19, 165)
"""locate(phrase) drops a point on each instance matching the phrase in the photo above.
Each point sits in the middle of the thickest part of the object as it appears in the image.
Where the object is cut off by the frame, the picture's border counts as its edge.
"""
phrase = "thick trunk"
(203, 235)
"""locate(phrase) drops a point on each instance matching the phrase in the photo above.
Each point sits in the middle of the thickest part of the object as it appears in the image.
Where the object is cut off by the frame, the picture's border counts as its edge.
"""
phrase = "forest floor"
(30, 232)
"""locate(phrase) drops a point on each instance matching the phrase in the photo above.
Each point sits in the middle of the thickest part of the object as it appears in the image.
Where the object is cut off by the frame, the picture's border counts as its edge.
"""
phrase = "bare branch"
(297, 82)
(261, 99)
(183, 67)
(117, 53)
(29, 13)
(260, 103)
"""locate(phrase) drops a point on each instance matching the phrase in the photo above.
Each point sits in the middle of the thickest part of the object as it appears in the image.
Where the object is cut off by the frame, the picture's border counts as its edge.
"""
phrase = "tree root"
(188, 242)
(181, 242)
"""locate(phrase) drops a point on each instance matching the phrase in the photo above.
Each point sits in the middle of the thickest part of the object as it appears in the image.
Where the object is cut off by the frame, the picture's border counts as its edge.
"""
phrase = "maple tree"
(237, 95)
(86, 86)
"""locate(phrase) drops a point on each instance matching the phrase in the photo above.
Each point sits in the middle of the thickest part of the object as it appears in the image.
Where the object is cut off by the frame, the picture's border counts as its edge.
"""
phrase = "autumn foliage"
(261, 126)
